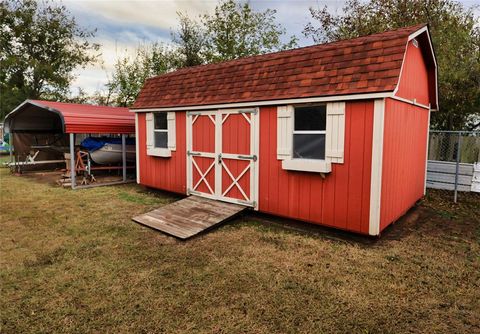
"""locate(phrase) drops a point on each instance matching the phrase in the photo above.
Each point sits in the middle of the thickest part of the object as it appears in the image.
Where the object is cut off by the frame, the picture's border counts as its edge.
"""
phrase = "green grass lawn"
(74, 262)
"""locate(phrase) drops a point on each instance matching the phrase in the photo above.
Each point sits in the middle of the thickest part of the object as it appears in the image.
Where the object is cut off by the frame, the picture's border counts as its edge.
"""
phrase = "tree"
(40, 46)
(190, 39)
(456, 38)
(98, 97)
(236, 31)
(130, 73)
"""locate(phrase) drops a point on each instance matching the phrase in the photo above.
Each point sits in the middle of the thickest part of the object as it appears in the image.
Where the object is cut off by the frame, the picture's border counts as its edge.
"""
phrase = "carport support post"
(72, 160)
(10, 144)
(124, 158)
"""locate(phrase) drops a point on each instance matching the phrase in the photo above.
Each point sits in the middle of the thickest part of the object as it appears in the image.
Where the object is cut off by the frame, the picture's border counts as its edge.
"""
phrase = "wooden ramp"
(189, 216)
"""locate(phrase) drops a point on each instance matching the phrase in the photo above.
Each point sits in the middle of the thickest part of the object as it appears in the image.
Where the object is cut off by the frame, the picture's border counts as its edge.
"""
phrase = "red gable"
(367, 64)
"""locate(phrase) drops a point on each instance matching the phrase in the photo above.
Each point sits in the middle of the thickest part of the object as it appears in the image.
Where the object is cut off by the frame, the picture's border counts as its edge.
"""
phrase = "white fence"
(443, 174)
(453, 161)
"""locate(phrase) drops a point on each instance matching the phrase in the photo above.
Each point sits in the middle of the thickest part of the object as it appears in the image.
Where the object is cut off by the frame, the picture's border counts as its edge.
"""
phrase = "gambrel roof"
(369, 64)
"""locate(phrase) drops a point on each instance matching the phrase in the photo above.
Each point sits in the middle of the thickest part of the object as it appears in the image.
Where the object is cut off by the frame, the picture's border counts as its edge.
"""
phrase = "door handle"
(193, 153)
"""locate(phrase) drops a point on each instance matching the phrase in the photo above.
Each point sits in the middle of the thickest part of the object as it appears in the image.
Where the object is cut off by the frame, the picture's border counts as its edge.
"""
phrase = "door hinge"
(248, 157)
(248, 111)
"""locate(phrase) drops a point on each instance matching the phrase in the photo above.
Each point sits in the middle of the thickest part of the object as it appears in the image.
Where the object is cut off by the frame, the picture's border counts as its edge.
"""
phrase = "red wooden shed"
(333, 134)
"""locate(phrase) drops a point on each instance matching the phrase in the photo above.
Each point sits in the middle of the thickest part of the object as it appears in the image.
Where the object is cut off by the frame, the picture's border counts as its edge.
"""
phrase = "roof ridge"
(74, 103)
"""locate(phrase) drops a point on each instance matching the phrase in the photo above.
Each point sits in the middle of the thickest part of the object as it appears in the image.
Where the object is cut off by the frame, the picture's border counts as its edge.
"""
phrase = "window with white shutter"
(171, 142)
(160, 136)
(310, 138)
(284, 131)
(335, 134)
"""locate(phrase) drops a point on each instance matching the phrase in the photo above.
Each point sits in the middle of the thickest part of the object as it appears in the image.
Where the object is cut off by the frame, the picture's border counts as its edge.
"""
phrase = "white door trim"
(217, 116)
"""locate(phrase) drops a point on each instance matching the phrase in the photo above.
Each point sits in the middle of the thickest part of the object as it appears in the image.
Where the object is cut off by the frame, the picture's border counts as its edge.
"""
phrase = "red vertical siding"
(404, 158)
(414, 80)
(203, 140)
(203, 134)
(164, 173)
(340, 200)
(236, 134)
(236, 140)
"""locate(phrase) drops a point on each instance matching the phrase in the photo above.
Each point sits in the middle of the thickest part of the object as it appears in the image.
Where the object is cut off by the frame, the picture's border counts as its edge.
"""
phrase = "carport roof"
(84, 118)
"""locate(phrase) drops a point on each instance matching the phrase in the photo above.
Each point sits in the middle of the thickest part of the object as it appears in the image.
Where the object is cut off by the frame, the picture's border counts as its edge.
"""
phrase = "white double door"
(222, 155)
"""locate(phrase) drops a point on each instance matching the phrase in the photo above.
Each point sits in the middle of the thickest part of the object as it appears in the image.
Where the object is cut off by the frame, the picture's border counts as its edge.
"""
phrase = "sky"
(123, 25)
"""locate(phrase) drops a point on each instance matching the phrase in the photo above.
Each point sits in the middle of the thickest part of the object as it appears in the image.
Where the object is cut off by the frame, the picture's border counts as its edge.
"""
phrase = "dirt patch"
(52, 177)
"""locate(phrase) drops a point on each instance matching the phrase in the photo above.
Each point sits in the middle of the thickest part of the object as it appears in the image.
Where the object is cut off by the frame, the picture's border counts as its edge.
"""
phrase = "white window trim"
(164, 152)
(160, 131)
(334, 144)
(159, 152)
(309, 132)
(307, 165)
(306, 132)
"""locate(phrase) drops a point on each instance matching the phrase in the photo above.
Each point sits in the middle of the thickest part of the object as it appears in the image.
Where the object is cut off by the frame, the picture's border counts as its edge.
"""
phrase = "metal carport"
(71, 119)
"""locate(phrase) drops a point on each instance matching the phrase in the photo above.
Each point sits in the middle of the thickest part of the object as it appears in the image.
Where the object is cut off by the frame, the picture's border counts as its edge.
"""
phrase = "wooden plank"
(188, 217)
(163, 226)
(449, 167)
(441, 175)
(449, 178)
(446, 186)
(32, 163)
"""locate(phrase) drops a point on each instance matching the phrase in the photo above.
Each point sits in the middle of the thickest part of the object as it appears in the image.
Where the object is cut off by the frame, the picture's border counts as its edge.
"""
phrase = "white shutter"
(171, 130)
(335, 136)
(284, 132)
(149, 128)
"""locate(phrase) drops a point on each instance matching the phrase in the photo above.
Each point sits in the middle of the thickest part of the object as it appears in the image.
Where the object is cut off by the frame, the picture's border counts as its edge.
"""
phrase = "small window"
(309, 132)
(160, 130)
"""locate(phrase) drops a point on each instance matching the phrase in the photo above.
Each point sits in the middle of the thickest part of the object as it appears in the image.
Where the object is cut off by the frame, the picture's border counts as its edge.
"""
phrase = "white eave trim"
(413, 102)
(273, 102)
(410, 37)
(418, 32)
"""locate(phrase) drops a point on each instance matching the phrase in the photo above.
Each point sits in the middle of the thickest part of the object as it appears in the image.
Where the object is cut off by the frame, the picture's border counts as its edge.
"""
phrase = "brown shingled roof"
(366, 64)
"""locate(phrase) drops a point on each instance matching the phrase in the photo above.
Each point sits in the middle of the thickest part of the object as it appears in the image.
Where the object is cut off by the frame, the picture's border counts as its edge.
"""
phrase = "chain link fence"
(453, 161)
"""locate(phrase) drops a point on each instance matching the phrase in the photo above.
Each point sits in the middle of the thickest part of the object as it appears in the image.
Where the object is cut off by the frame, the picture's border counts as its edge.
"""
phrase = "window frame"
(155, 130)
(170, 130)
(308, 132)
